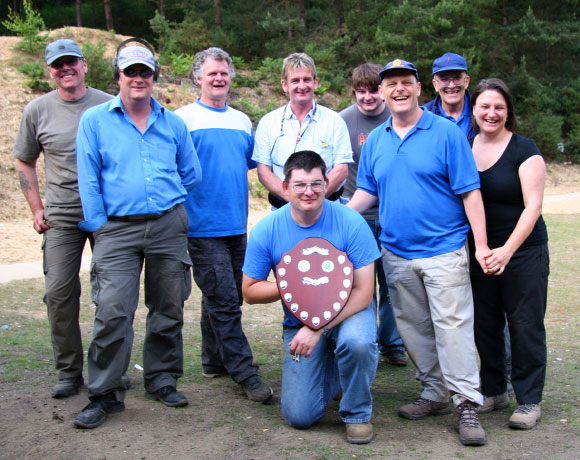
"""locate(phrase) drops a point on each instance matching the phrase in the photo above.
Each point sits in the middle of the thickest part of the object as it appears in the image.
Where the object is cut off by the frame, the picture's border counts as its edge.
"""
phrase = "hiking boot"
(359, 433)
(95, 413)
(169, 396)
(394, 357)
(421, 408)
(67, 387)
(126, 381)
(467, 425)
(526, 416)
(213, 372)
(256, 389)
(491, 403)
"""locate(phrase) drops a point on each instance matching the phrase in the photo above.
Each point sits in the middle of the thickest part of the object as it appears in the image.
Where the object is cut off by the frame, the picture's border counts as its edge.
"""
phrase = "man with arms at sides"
(218, 217)
(343, 355)
(421, 170)
(453, 101)
(49, 125)
(361, 118)
(136, 164)
(302, 124)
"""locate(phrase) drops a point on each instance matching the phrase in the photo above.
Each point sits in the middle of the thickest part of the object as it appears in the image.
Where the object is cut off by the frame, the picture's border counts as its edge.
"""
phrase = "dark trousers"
(121, 249)
(62, 252)
(217, 270)
(519, 294)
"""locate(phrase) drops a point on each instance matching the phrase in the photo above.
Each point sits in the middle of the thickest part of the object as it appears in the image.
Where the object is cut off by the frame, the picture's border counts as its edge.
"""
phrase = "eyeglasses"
(446, 81)
(143, 73)
(300, 187)
(69, 61)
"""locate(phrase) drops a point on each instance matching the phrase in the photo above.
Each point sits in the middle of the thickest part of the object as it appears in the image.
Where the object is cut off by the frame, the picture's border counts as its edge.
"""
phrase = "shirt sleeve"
(263, 141)
(26, 145)
(188, 165)
(251, 164)
(89, 165)
(365, 179)
(342, 152)
(463, 174)
(258, 260)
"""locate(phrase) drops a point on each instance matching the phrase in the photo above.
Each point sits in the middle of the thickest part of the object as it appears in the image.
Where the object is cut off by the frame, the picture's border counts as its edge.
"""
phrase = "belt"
(141, 217)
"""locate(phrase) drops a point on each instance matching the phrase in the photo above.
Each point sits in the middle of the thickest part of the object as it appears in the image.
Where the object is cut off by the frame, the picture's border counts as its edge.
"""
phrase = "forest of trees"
(533, 45)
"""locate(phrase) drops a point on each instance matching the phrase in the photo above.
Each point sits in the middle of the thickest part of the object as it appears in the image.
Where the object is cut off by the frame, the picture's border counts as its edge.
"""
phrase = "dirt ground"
(34, 426)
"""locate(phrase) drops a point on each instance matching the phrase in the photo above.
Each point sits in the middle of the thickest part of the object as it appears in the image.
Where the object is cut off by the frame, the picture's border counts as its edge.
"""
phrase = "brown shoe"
(467, 425)
(67, 387)
(359, 433)
(491, 403)
(526, 416)
(421, 408)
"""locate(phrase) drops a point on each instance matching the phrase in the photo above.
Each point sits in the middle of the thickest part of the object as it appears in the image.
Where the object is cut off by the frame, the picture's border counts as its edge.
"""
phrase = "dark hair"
(495, 84)
(366, 76)
(306, 160)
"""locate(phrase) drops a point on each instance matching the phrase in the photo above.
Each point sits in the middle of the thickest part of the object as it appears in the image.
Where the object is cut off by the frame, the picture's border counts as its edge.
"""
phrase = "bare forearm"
(29, 184)
(361, 201)
(475, 213)
(336, 177)
(259, 291)
(270, 180)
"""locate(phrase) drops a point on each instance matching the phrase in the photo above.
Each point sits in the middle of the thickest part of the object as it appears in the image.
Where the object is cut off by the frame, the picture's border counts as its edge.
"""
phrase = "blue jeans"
(387, 335)
(346, 357)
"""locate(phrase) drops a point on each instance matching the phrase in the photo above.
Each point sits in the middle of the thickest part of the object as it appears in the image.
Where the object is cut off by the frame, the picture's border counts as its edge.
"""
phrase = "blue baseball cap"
(60, 48)
(449, 61)
(399, 64)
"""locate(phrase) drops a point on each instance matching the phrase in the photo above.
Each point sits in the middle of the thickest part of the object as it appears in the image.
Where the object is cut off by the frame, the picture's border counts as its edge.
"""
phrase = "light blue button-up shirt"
(280, 134)
(123, 172)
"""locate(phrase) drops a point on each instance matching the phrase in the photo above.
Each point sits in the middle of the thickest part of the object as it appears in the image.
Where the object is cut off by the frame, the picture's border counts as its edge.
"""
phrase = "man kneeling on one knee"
(343, 354)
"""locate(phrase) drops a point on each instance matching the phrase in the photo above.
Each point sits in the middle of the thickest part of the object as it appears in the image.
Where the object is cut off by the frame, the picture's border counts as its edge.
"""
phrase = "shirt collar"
(314, 113)
(117, 104)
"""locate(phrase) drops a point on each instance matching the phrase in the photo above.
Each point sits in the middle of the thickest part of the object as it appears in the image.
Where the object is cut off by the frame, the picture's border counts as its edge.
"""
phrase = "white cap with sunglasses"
(60, 48)
(132, 55)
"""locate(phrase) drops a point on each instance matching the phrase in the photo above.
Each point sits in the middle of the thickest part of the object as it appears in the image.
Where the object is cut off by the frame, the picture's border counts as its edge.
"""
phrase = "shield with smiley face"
(315, 280)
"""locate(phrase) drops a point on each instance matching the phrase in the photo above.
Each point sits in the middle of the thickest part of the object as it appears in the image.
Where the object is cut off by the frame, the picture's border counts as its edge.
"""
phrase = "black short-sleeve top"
(503, 199)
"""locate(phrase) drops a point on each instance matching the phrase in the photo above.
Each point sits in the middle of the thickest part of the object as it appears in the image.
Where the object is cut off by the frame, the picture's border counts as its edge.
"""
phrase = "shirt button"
(147, 178)
(145, 160)
(150, 199)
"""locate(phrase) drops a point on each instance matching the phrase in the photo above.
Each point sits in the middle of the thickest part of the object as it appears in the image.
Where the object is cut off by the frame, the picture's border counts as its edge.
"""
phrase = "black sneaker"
(256, 389)
(169, 396)
(67, 387)
(96, 412)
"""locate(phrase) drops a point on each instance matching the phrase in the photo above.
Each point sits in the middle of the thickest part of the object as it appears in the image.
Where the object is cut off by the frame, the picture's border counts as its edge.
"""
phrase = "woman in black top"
(514, 284)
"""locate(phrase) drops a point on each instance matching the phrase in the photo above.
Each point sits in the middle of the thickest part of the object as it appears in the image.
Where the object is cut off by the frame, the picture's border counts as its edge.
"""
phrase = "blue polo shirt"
(124, 172)
(278, 233)
(224, 142)
(464, 120)
(419, 181)
(279, 135)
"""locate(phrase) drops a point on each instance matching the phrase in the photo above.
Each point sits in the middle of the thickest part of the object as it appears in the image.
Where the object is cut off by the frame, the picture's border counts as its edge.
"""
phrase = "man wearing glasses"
(343, 355)
(302, 124)
(136, 163)
(49, 125)
(453, 101)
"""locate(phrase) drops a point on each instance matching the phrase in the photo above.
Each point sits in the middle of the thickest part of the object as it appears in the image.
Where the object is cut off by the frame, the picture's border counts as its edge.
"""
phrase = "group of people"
(452, 234)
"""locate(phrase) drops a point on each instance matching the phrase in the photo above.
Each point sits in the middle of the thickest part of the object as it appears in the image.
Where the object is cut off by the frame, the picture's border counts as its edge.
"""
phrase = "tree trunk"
(108, 14)
(79, 13)
(339, 13)
(162, 8)
(218, 13)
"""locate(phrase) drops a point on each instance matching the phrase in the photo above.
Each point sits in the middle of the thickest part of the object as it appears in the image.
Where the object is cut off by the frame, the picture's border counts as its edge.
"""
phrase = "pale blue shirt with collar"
(279, 135)
(123, 172)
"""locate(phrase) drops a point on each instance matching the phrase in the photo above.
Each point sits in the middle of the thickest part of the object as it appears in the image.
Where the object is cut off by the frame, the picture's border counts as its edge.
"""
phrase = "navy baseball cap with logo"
(399, 64)
(449, 61)
(60, 48)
